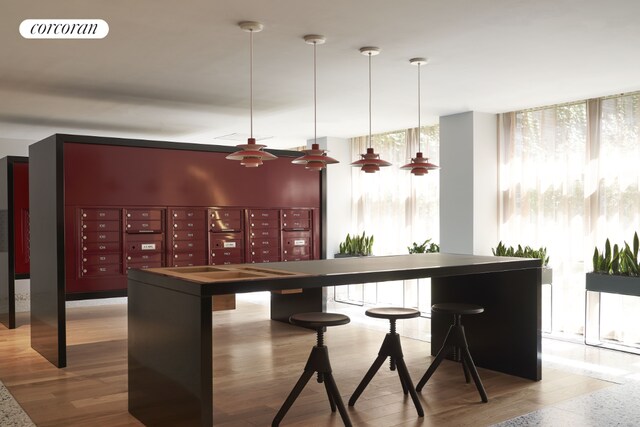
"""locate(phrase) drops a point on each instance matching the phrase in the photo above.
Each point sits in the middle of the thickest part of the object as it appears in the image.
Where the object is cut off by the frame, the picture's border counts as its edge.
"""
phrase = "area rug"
(618, 405)
(11, 413)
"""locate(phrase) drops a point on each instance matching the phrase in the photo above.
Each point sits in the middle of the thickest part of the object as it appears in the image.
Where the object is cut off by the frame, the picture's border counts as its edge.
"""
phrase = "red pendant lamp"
(370, 161)
(419, 164)
(250, 154)
(314, 159)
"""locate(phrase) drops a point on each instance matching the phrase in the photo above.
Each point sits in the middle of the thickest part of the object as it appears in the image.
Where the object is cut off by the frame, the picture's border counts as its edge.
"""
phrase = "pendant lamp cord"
(370, 142)
(315, 94)
(251, 79)
(419, 128)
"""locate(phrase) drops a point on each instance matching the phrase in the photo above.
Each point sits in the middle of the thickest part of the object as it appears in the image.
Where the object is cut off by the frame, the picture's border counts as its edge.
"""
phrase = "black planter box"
(623, 285)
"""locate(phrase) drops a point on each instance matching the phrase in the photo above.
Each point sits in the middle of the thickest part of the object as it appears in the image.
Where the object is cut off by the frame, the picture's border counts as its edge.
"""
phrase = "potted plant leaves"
(356, 245)
(427, 247)
(527, 252)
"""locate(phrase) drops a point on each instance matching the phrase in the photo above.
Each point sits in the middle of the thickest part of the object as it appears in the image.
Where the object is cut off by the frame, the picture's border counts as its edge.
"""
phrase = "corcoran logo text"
(64, 29)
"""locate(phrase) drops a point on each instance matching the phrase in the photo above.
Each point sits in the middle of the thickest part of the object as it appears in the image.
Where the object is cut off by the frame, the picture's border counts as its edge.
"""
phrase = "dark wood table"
(170, 321)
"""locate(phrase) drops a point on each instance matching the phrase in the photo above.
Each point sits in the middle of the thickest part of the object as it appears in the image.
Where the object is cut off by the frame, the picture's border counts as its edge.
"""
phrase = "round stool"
(392, 349)
(318, 362)
(456, 341)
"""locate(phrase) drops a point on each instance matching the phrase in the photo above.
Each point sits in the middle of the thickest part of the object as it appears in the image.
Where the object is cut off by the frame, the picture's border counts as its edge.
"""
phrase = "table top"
(218, 280)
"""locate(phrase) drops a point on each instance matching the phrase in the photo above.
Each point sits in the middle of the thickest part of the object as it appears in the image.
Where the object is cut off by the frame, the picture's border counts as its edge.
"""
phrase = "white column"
(468, 183)
(337, 184)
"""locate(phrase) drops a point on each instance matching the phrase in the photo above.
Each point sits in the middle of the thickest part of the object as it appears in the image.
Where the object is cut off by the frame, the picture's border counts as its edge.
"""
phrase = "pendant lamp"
(419, 164)
(250, 154)
(370, 161)
(314, 159)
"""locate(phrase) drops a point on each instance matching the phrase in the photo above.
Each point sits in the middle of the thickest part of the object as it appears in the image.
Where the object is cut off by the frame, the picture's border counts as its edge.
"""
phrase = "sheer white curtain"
(615, 208)
(541, 172)
(392, 204)
(569, 178)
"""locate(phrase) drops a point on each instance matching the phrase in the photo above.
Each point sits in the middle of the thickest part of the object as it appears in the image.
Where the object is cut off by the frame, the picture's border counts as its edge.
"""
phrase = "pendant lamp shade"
(250, 154)
(419, 164)
(370, 162)
(314, 159)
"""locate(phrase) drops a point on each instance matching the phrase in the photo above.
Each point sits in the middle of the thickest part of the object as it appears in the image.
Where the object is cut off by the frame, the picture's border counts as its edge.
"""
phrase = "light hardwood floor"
(256, 363)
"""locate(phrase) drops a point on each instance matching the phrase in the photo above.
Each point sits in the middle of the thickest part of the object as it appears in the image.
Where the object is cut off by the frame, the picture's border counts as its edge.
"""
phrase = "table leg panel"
(507, 336)
(170, 357)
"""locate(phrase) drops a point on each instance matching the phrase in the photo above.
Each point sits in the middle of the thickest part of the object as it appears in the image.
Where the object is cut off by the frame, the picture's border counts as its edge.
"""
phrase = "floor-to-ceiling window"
(396, 207)
(569, 179)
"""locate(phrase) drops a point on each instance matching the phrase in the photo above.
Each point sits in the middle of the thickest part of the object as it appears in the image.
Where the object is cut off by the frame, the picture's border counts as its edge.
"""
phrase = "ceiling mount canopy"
(314, 159)
(419, 164)
(250, 154)
(370, 162)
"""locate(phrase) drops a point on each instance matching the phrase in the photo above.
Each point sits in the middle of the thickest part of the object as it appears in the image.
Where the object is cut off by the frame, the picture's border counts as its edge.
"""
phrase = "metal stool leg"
(367, 378)
(337, 399)
(436, 362)
(304, 379)
(406, 380)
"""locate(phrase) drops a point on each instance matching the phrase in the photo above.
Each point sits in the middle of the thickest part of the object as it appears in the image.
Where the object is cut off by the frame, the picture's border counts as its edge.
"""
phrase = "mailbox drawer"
(138, 258)
(94, 259)
(187, 263)
(296, 250)
(189, 245)
(100, 236)
(100, 214)
(296, 224)
(264, 243)
(188, 234)
(100, 246)
(181, 214)
(200, 257)
(187, 224)
(263, 214)
(226, 214)
(226, 253)
(143, 214)
(289, 257)
(101, 225)
(265, 258)
(225, 261)
(269, 233)
(144, 226)
(144, 265)
(218, 225)
(260, 223)
(101, 270)
(295, 214)
(265, 251)
(142, 243)
(230, 241)
(290, 240)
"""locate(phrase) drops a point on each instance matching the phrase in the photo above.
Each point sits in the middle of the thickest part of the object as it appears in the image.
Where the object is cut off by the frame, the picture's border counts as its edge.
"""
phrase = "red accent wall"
(21, 217)
(103, 175)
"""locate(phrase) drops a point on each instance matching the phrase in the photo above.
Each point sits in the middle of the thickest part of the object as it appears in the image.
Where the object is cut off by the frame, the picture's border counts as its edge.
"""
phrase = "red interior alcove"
(21, 217)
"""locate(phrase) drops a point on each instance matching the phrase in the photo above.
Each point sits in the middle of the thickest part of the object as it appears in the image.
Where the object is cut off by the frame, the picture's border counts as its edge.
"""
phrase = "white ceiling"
(178, 70)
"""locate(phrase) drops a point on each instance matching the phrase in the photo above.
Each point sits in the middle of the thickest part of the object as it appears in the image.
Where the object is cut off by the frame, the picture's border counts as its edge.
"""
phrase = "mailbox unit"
(154, 204)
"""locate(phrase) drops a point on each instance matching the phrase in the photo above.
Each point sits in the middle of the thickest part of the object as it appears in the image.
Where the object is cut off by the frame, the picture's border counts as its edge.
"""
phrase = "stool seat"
(455, 308)
(392, 313)
(316, 320)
